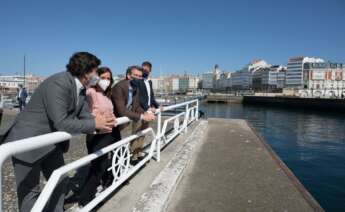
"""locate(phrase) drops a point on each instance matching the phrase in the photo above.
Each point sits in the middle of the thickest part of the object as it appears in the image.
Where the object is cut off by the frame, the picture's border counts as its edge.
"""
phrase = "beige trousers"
(137, 145)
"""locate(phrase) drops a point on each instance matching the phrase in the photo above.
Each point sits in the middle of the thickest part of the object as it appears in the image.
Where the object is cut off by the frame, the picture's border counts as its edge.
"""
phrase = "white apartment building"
(224, 82)
(294, 73)
(242, 80)
(175, 84)
(158, 83)
(10, 83)
(193, 83)
(269, 79)
(207, 80)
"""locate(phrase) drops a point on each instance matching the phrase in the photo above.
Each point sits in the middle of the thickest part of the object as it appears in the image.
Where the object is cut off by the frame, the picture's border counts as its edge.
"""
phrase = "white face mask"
(104, 84)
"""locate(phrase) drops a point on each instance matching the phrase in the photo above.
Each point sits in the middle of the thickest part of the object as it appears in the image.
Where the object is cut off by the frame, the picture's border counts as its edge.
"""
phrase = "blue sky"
(175, 35)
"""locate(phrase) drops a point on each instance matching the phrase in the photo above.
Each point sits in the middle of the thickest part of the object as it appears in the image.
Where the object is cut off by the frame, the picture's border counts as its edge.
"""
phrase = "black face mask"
(145, 75)
(135, 82)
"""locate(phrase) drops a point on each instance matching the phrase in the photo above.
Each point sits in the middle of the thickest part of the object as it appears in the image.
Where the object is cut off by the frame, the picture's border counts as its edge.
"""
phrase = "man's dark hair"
(147, 63)
(131, 68)
(82, 63)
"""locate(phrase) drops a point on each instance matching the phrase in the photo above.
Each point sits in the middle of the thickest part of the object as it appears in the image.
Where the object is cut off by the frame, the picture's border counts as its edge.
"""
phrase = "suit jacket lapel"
(126, 91)
(74, 89)
(81, 99)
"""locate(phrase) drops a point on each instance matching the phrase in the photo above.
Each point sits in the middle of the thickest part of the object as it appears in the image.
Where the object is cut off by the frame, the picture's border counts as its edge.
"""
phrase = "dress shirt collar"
(78, 85)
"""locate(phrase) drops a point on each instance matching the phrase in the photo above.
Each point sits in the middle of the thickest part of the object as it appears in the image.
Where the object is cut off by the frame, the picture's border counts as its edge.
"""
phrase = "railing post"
(158, 135)
(186, 118)
(176, 125)
(197, 109)
(1, 194)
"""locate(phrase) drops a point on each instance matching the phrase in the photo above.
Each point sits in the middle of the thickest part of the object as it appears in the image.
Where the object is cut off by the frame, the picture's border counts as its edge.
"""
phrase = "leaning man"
(58, 104)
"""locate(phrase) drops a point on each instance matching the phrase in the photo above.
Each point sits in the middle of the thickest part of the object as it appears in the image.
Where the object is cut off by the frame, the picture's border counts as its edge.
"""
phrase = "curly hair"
(82, 63)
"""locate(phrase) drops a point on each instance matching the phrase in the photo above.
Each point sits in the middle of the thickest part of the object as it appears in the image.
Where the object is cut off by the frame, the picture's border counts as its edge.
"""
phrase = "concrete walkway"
(219, 165)
(127, 196)
(234, 170)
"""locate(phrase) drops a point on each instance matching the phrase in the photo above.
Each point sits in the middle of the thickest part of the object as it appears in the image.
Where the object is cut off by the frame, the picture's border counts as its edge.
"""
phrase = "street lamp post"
(24, 70)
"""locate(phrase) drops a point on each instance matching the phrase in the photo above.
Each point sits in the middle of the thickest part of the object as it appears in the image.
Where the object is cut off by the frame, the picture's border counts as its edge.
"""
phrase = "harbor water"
(311, 144)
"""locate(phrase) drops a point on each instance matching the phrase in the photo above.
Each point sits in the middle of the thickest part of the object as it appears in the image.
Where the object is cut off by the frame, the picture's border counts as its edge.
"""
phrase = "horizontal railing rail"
(120, 168)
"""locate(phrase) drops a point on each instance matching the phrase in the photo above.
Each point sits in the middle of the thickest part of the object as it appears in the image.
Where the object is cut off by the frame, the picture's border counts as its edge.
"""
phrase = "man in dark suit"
(22, 95)
(58, 104)
(147, 97)
(125, 97)
(148, 104)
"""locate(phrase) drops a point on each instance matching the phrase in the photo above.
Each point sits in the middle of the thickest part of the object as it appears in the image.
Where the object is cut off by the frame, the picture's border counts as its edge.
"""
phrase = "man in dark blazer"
(58, 104)
(125, 97)
(148, 104)
(22, 95)
(147, 97)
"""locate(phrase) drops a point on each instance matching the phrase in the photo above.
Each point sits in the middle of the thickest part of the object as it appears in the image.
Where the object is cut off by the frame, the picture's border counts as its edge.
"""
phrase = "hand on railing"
(156, 110)
(105, 122)
(152, 109)
(148, 116)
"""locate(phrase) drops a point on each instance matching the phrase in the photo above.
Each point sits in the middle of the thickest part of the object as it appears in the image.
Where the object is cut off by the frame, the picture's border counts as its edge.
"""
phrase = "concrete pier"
(233, 169)
(297, 102)
(223, 98)
(219, 165)
(324, 104)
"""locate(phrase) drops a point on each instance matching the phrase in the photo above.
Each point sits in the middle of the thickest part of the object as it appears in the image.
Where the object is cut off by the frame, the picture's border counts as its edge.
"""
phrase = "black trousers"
(98, 173)
(28, 181)
(22, 104)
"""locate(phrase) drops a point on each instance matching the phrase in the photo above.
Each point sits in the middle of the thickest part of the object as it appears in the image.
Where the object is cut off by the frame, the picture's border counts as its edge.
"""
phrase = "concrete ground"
(221, 166)
(233, 170)
(126, 197)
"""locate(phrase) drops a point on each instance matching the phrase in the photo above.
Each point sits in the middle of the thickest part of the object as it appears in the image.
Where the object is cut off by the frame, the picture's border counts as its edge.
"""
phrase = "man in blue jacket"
(22, 95)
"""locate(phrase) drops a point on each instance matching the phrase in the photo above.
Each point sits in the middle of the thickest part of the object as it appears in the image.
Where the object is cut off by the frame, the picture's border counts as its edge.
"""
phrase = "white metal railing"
(121, 168)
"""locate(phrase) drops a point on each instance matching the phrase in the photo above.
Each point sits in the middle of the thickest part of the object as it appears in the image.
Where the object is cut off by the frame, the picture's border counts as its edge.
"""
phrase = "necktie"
(130, 97)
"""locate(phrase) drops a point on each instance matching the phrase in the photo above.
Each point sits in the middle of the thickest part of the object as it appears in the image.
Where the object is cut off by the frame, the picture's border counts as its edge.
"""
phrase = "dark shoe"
(126, 182)
(134, 162)
(72, 199)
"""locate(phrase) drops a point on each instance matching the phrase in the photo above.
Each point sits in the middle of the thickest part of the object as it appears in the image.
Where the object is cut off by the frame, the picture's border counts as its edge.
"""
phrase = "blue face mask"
(145, 75)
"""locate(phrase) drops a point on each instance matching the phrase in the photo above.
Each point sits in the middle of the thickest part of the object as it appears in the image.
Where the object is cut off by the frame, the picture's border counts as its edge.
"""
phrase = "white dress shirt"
(79, 87)
(148, 89)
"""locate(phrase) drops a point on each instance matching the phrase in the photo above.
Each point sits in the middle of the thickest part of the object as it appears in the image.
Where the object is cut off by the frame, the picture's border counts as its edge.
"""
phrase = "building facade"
(294, 73)
(9, 84)
(242, 80)
(323, 79)
(183, 84)
(207, 80)
(193, 83)
(175, 84)
(270, 79)
(224, 82)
